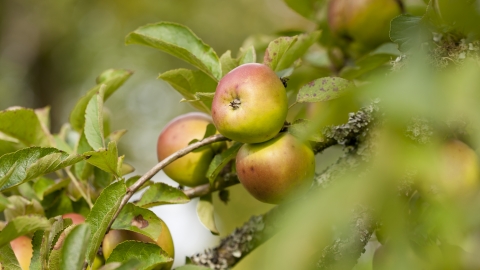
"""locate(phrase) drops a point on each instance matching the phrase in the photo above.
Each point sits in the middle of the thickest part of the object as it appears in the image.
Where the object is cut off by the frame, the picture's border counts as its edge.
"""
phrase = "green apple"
(459, 169)
(363, 24)
(115, 237)
(250, 104)
(76, 218)
(23, 249)
(276, 170)
(190, 169)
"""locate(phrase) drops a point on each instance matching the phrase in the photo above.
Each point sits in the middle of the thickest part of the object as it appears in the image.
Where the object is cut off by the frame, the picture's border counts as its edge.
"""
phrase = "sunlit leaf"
(105, 159)
(94, 120)
(29, 132)
(178, 41)
(151, 255)
(205, 213)
(160, 193)
(102, 213)
(324, 89)
(30, 163)
(188, 82)
(138, 219)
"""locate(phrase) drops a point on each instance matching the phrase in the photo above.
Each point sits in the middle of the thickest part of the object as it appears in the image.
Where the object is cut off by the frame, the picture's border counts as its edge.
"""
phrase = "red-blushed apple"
(363, 23)
(76, 218)
(276, 170)
(190, 169)
(115, 237)
(23, 249)
(250, 104)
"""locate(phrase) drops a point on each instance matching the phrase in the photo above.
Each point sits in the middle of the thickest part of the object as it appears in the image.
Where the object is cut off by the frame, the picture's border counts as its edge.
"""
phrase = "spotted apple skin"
(189, 170)
(250, 104)
(276, 170)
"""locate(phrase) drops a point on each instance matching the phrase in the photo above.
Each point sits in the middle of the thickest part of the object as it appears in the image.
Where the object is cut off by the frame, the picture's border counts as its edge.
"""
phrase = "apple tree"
(387, 89)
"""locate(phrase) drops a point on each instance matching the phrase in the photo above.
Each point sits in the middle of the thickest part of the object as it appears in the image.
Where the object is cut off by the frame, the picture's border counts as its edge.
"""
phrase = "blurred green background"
(52, 51)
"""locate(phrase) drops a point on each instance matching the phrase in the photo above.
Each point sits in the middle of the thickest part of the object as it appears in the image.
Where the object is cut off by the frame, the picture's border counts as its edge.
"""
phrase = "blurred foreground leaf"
(205, 213)
(74, 248)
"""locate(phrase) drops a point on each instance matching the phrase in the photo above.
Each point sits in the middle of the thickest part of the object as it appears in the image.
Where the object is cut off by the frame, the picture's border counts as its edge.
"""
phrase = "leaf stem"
(79, 188)
(293, 104)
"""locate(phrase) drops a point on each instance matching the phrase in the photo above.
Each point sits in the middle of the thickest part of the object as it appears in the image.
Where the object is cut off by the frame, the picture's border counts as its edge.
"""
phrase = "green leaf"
(160, 193)
(228, 62)
(221, 160)
(403, 31)
(192, 267)
(284, 51)
(30, 163)
(307, 8)
(324, 89)
(45, 186)
(94, 120)
(304, 129)
(201, 97)
(22, 225)
(140, 220)
(205, 213)
(102, 213)
(38, 253)
(113, 79)
(105, 159)
(180, 42)
(366, 64)
(151, 255)
(8, 259)
(19, 206)
(72, 255)
(29, 132)
(188, 82)
(4, 202)
(82, 169)
(247, 55)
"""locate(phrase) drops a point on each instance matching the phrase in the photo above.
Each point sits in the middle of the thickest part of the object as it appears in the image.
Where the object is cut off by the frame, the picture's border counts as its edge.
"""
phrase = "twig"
(162, 164)
(207, 188)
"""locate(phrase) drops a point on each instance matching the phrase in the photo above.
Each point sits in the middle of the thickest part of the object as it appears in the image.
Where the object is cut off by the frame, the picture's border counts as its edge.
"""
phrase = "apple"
(23, 249)
(76, 218)
(190, 169)
(363, 24)
(458, 172)
(276, 170)
(250, 104)
(115, 237)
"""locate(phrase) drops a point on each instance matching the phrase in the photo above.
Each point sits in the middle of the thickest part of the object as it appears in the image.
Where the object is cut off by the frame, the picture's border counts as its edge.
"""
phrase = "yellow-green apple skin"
(76, 218)
(364, 23)
(459, 169)
(115, 237)
(250, 104)
(276, 170)
(23, 249)
(190, 169)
